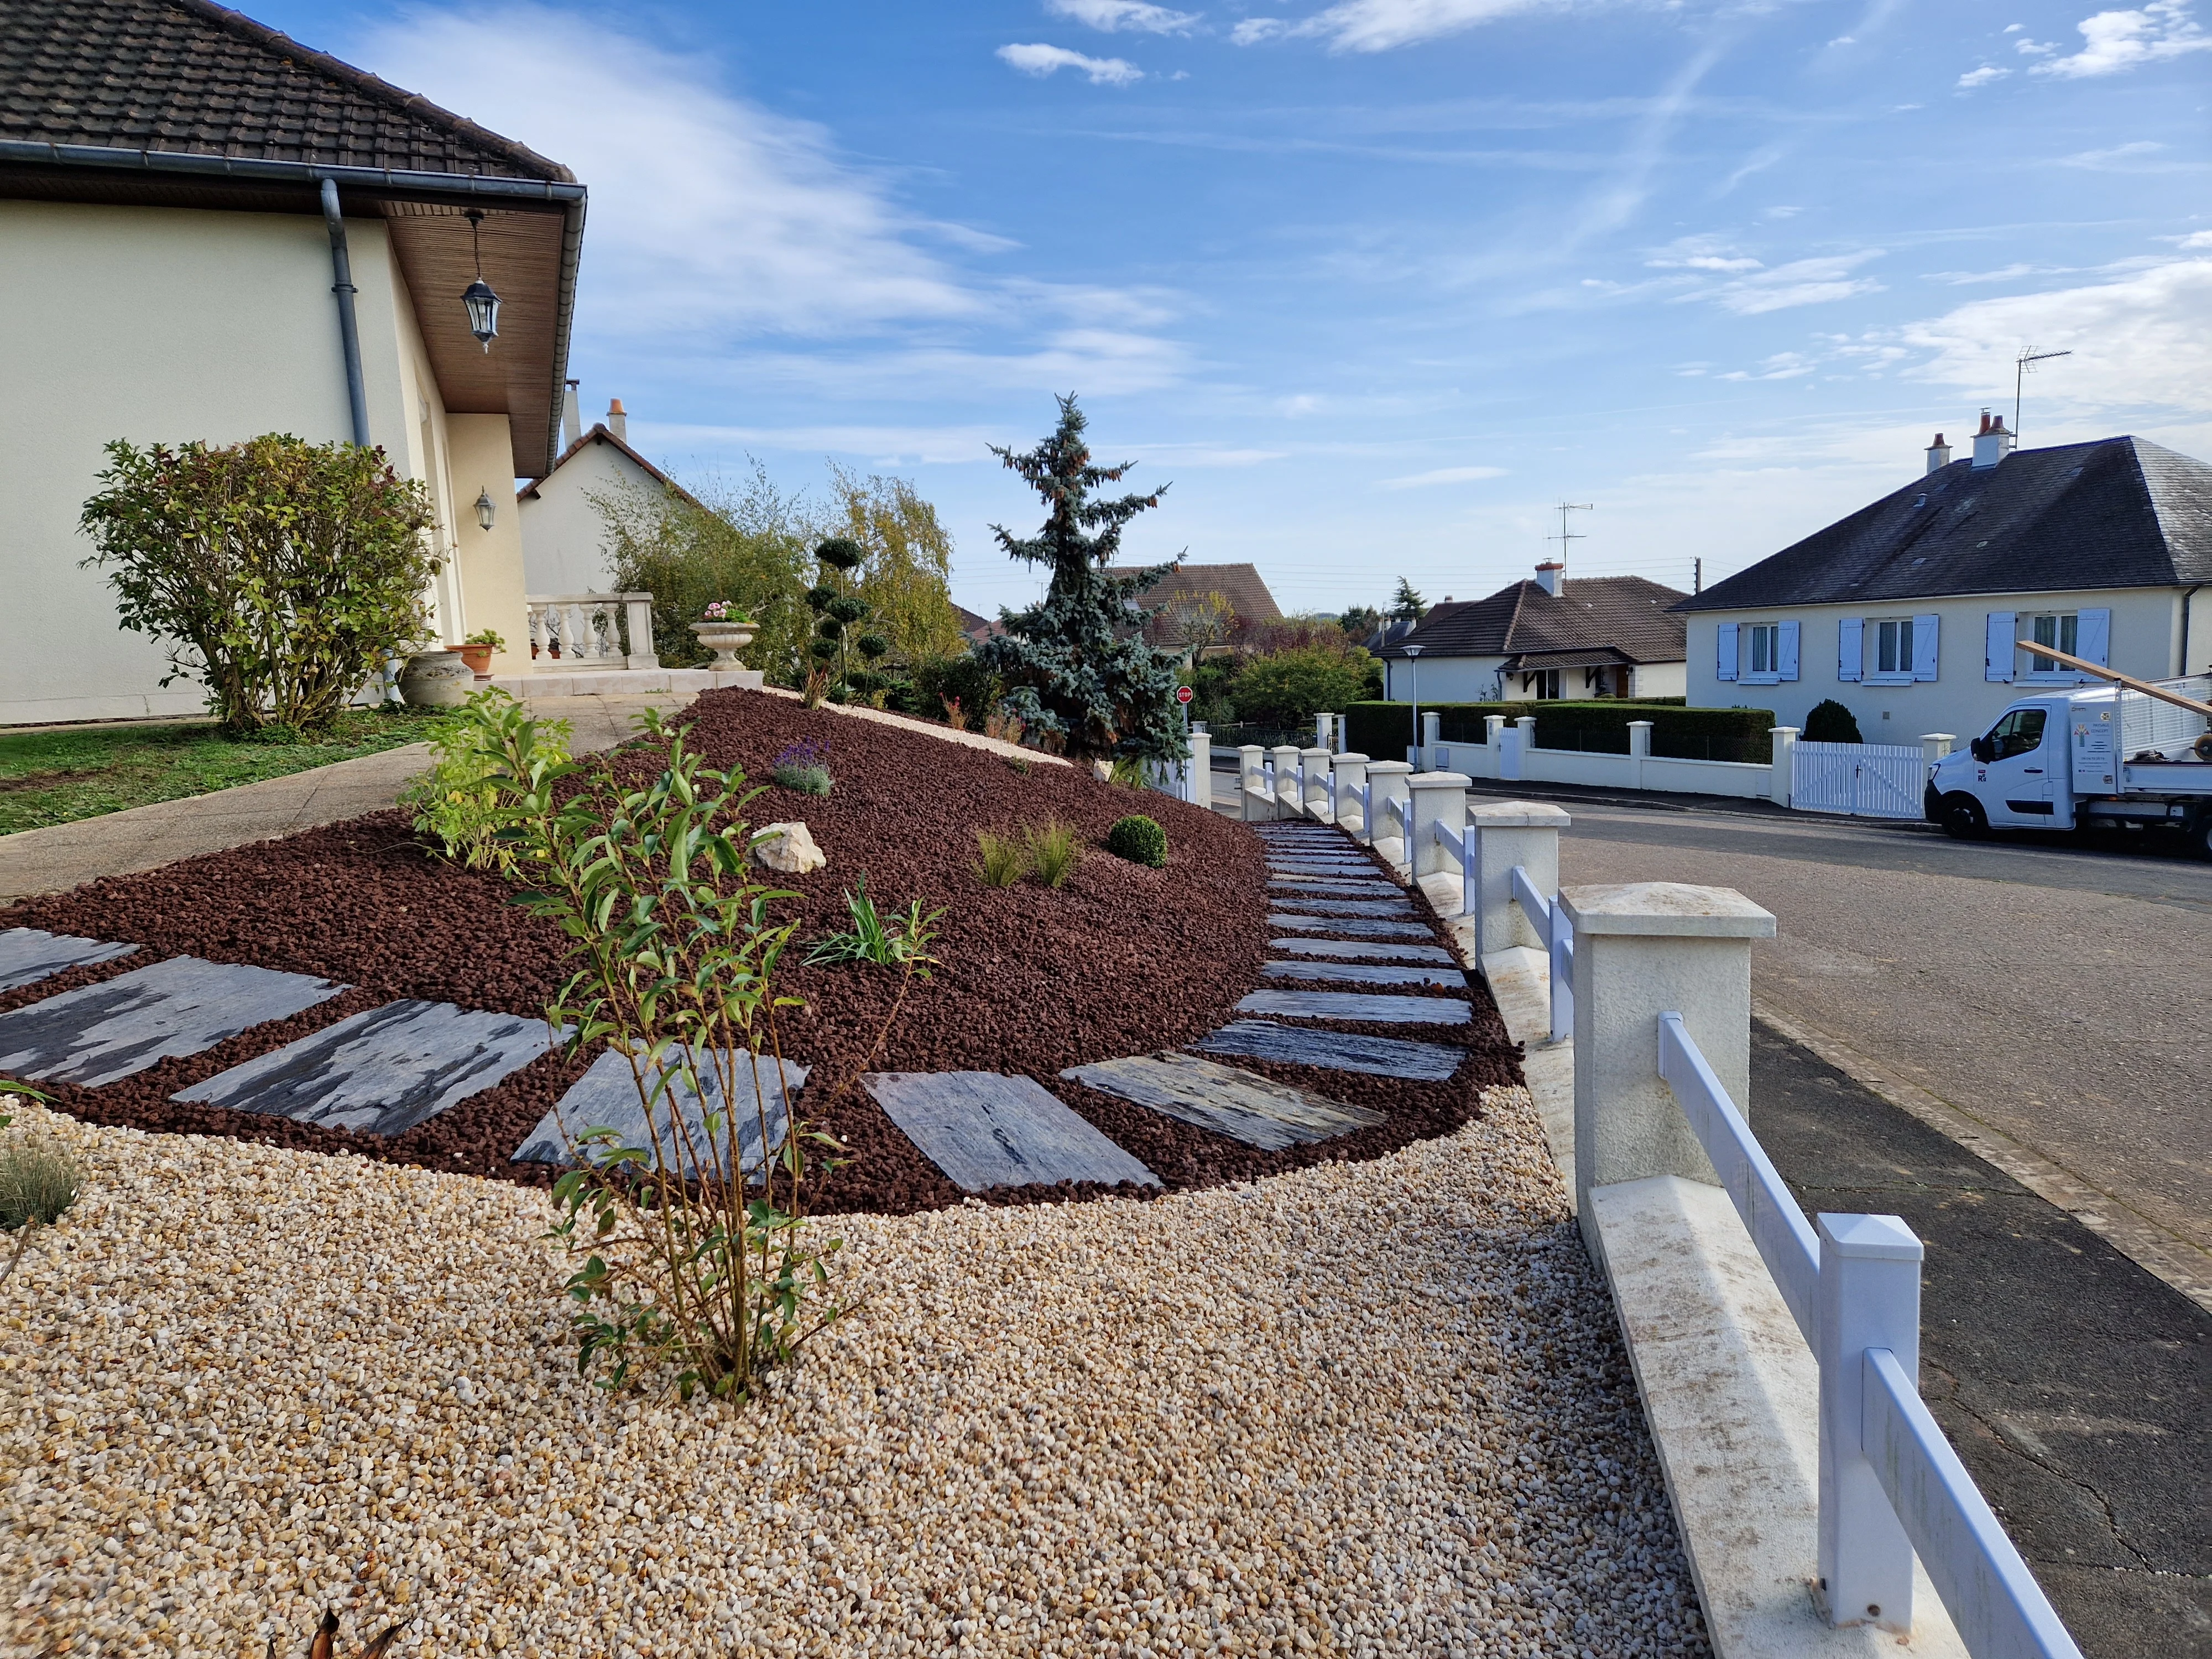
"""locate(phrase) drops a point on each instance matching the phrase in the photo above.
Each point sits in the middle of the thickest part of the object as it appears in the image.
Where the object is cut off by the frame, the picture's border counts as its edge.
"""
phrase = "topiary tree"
(1138, 839)
(1075, 665)
(1831, 722)
(281, 573)
(836, 611)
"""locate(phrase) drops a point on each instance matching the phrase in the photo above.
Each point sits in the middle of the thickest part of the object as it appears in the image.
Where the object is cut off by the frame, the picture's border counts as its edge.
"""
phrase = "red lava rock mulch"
(1121, 960)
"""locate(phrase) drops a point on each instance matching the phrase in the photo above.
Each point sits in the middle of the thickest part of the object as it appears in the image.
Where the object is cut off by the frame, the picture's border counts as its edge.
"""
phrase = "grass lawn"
(59, 776)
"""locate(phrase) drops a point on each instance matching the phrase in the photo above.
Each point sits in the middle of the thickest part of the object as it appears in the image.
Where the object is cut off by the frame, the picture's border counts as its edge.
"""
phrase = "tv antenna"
(2021, 364)
(1566, 535)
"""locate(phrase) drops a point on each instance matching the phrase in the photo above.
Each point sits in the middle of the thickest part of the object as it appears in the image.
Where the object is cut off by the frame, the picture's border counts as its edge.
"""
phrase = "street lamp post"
(1413, 675)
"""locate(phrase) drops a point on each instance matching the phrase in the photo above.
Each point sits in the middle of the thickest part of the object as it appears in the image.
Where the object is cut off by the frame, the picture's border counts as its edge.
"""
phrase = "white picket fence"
(1862, 780)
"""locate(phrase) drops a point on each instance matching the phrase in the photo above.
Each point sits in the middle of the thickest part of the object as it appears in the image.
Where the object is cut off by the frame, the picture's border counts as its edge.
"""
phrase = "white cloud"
(1444, 475)
(2116, 41)
(1381, 24)
(2101, 160)
(1047, 60)
(1782, 366)
(1110, 15)
(1799, 283)
(1982, 75)
(2033, 48)
(2198, 239)
(1253, 30)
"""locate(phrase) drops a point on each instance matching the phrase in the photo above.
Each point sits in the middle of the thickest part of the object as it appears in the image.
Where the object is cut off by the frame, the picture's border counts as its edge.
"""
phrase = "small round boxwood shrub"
(1831, 722)
(1139, 840)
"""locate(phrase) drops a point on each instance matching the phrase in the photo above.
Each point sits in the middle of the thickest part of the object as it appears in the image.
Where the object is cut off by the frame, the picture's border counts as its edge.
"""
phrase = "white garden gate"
(1864, 779)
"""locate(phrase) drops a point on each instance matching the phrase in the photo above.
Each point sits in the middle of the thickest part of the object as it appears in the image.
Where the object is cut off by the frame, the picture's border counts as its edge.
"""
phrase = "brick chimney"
(1549, 575)
(1992, 443)
(1939, 454)
(618, 420)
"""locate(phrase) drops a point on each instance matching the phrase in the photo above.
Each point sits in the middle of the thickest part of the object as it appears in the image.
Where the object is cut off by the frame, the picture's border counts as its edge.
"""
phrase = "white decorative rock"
(788, 848)
(1102, 770)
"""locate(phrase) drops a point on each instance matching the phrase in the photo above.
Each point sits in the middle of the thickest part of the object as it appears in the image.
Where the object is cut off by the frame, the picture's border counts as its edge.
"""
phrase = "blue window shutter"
(1998, 653)
(1725, 665)
(2093, 640)
(1924, 646)
(1851, 648)
(1785, 650)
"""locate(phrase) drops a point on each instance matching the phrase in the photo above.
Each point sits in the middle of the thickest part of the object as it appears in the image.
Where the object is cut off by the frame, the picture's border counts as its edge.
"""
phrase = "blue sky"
(1375, 283)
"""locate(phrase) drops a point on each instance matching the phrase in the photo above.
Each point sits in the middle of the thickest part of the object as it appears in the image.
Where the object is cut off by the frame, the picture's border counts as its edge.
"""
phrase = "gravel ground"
(1374, 1408)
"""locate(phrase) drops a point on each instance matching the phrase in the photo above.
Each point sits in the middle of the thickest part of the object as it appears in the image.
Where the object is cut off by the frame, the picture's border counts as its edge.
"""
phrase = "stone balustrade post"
(1251, 778)
(1324, 727)
(1350, 771)
(1779, 785)
(1438, 798)
(638, 617)
(1201, 770)
(1430, 721)
(1639, 750)
(1509, 833)
(1934, 745)
(1287, 792)
(1643, 948)
(1386, 781)
(1316, 792)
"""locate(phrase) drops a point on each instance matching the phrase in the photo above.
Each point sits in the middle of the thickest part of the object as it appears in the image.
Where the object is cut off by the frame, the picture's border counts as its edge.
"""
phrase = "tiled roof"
(187, 76)
(1623, 614)
(1239, 584)
(601, 435)
(2117, 513)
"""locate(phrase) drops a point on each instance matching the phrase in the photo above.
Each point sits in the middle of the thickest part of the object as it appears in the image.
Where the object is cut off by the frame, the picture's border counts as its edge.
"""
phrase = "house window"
(1542, 683)
(1892, 651)
(1765, 659)
(2062, 629)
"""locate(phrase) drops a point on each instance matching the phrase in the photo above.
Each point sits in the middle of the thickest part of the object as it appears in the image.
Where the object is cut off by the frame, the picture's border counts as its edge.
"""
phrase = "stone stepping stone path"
(1291, 1045)
(1358, 927)
(97, 1034)
(1255, 1110)
(606, 1098)
(1356, 1004)
(382, 1072)
(984, 1130)
(29, 955)
(1343, 886)
(1321, 867)
(1350, 906)
(1359, 973)
(1363, 949)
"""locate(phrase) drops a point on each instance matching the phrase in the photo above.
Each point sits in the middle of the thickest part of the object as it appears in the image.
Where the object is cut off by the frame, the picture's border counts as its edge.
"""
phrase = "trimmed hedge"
(1385, 730)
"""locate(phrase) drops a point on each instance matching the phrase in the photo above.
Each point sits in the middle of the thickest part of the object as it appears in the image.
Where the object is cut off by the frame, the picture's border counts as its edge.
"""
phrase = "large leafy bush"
(281, 573)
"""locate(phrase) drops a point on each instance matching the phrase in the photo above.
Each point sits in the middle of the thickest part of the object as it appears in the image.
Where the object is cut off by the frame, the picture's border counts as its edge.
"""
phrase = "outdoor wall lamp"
(485, 507)
(482, 303)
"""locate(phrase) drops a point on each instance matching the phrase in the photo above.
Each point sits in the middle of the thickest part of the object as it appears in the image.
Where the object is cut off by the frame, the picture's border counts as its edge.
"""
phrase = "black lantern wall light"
(483, 304)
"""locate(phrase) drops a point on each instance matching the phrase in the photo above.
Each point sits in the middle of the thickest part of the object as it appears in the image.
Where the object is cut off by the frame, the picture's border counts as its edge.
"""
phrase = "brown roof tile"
(1240, 584)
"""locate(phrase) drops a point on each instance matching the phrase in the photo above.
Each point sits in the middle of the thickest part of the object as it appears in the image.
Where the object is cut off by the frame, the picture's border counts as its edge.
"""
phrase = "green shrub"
(1055, 850)
(1288, 688)
(281, 573)
(1140, 839)
(1597, 727)
(1831, 722)
(457, 800)
(38, 1180)
(1003, 860)
(803, 767)
(906, 940)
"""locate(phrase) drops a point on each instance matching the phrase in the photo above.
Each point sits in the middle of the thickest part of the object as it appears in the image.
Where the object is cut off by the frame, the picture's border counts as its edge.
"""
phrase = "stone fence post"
(1934, 745)
(1779, 785)
(1350, 770)
(1201, 770)
(1509, 833)
(1249, 778)
(1286, 778)
(1438, 798)
(1643, 948)
(1639, 750)
(1386, 781)
(1316, 761)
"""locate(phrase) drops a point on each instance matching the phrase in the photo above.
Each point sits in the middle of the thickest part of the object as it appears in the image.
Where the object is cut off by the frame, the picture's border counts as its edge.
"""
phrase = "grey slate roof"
(1592, 620)
(187, 76)
(2116, 513)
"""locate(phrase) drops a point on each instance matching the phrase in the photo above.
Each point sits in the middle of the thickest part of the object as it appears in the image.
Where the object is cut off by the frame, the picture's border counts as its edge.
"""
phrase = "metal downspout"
(2181, 668)
(349, 328)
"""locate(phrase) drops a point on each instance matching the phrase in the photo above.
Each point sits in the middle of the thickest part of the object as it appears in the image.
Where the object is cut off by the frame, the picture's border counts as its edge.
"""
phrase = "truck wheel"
(2201, 837)
(1963, 818)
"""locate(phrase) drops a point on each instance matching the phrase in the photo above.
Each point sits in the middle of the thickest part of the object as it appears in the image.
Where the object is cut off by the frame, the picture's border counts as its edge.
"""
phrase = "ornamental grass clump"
(38, 1180)
(803, 767)
(1140, 839)
(1003, 860)
(1054, 849)
(459, 800)
(698, 1257)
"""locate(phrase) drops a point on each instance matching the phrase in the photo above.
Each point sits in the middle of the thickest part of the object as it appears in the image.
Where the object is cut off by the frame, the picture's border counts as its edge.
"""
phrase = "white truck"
(2134, 755)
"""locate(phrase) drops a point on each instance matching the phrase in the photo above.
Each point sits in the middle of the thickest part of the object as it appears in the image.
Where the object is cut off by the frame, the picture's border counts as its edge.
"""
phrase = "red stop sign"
(1184, 694)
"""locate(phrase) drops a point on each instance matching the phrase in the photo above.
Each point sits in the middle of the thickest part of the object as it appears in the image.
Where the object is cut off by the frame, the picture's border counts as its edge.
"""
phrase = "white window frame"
(1888, 634)
(1762, 639)
(2065, 637)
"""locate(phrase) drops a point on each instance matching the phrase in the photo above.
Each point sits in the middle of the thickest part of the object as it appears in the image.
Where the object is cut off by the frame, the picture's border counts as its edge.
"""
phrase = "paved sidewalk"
(66, 855)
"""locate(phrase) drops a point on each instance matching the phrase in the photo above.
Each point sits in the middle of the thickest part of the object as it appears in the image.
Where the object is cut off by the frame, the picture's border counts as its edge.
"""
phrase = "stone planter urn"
(725, 640)
(437, 679)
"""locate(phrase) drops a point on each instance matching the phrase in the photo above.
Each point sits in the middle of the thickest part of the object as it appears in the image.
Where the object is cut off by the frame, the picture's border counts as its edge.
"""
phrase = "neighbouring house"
(1550, 637)
(1195, 606)
(977, 629)
(564, 532)
(1910, 612)
(209, 231)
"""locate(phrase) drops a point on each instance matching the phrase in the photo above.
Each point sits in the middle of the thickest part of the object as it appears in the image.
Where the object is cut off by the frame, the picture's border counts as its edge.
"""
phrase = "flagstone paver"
(99, 1033)
(1341, 886)
(1361, 973)
(29, 955)
(381, 1072)
(1376, 949)
(1294, 1045)
(985, 1130)
(1253, 1109)
(1355, 926)
(1315, 905)
(606, 1098)
(1355, 1005)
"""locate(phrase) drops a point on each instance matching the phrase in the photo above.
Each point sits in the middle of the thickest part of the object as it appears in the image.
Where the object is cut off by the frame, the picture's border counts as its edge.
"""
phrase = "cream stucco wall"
(563, 535)
(489, 561)
(2145, 641)
(1475, 679)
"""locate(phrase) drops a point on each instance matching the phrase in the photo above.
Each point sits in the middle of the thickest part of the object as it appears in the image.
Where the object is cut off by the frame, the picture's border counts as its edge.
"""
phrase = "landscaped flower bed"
(1120, 959)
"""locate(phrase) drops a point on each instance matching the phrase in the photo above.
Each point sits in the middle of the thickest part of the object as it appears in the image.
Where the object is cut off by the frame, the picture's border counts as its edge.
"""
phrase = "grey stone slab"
(99, 1033)
(1330, 872)
(1340, 886)
(1253, 1109)
(1359, 973)
(1319, 905)
(606, 1098)
(1315, 861)
(29, 955)
(1291, 1045)
(1353, 1005)
(984, 1130)
(1369, 950)
(1355, 926)
(382, 1072)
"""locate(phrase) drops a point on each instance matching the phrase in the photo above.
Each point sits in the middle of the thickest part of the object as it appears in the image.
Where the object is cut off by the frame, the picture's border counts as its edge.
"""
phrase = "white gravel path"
(1373, 1408)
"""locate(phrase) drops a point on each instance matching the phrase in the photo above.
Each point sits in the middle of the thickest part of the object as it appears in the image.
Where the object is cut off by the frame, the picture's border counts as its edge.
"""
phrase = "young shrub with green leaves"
(694, 1260)
(280, 573)
(1138, 839)
(1054, 849)
(905, 939)
(459, 800)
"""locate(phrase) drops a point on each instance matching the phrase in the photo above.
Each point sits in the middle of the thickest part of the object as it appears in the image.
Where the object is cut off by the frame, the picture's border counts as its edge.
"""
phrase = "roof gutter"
(568, 198)
(2181, 667)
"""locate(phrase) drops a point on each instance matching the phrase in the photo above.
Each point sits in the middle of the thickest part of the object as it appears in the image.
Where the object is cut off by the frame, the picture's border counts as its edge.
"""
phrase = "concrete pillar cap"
(1317, 749)
(1390, 765)
(1870, 1237)
(1438, 780)
(1939, 736)
(1520, 815)
(1643, 722)
(1350, 755)
(1666, 909)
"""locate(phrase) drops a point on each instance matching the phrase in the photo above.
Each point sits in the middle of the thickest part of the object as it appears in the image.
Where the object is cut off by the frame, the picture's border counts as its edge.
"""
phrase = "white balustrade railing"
(1557, 929)
(1461, 844)
(1891, 1485)
(583, 630)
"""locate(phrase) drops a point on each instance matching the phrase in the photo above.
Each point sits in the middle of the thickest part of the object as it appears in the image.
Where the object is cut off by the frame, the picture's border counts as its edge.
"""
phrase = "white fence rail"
(1890, 1483)
(1461, 844)
(1863, 779)
(1557, 929)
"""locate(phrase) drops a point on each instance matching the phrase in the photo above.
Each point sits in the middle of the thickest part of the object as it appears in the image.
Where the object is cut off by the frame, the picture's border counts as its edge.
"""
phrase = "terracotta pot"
(436, 679)
(724, 639)
(478, 658)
